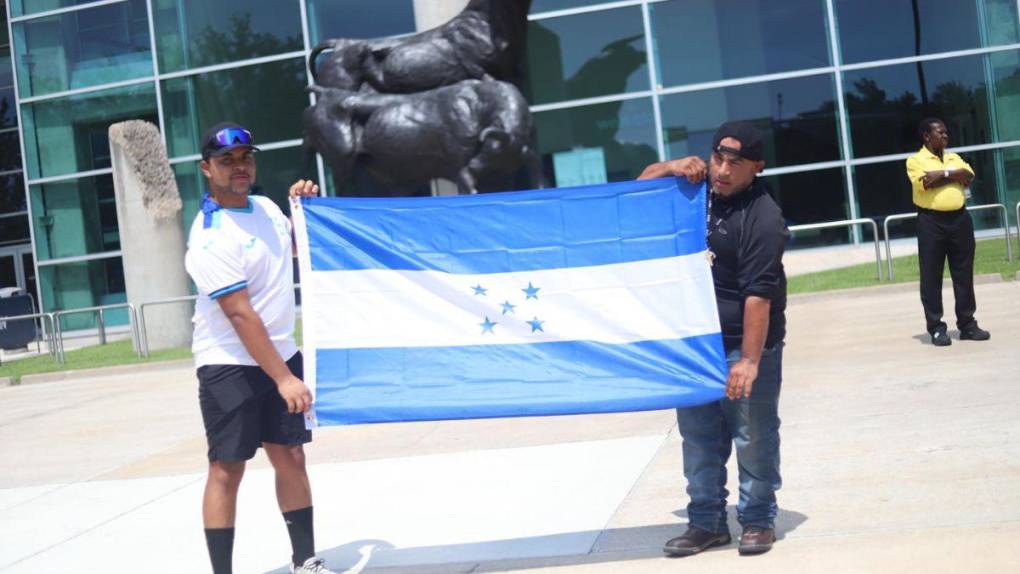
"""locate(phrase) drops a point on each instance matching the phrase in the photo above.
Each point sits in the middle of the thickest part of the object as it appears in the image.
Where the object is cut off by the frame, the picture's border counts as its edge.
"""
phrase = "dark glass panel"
(812, 197)
(359, 19)
(196, 33)
(84, 48)
(797, 116)
(704, 40)
(15, 230)
(881, 29)
(75, 217)
(266, 98)
(586, 55)
(603, 142)
(12, 193)
(10, 151)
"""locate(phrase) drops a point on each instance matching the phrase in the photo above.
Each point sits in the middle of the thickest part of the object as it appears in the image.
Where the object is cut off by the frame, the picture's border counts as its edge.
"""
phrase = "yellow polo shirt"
(948, 197)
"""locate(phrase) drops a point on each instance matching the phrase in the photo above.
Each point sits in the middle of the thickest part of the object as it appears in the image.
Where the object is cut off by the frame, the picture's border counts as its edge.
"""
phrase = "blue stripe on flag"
(516, 231)
(484, 381)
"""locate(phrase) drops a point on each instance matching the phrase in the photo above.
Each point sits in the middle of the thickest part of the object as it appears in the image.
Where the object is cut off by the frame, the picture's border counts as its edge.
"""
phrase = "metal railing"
(849, 223)
(903, 216)
(132, 320)
(56, 349)
(143, 334)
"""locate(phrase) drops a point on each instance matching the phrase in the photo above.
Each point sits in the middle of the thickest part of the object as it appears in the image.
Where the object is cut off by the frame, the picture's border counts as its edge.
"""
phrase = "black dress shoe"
(975, 333)
(695, 540)
(941, 339)
(756, 540)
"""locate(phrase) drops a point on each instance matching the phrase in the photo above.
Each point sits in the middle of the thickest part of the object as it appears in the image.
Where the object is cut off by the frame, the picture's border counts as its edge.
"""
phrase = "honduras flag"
(550, 302)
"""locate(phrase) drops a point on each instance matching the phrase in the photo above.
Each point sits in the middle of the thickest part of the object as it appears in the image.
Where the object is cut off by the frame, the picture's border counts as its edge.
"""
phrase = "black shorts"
(242, 409)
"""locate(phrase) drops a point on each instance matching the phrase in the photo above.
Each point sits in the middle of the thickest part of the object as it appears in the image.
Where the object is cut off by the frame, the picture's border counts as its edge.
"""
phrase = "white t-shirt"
(241, 248)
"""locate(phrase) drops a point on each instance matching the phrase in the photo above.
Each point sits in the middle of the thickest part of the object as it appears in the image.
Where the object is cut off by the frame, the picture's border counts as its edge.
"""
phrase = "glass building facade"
(838, 86)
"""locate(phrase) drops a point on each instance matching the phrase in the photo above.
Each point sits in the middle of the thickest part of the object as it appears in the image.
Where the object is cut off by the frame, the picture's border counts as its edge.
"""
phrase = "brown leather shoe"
(695, 540)
(756, 540)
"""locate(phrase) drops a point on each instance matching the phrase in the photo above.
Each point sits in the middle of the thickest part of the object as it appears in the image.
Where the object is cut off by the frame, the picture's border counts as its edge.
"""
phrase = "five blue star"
(479, 290)
(536, 325)
(531, 291)
(508, 308)
(487, 326)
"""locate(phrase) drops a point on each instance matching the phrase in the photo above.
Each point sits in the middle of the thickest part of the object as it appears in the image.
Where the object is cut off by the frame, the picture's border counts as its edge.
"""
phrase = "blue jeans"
(709, 432)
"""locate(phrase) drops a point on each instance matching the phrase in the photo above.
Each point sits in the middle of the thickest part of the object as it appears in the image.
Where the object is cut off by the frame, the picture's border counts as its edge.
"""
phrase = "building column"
(431, 13)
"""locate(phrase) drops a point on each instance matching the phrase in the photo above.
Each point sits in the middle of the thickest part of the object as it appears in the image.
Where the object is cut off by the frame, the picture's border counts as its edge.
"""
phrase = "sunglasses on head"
(233, 136)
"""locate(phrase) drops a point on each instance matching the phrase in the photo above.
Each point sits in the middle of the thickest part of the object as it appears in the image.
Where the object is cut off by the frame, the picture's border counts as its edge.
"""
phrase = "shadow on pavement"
(641, 542)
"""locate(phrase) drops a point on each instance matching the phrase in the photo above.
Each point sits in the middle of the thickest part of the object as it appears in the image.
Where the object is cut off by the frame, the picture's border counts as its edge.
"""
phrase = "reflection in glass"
(196, 33)
(1006, 70)
(586, 55)
(359, 19)
(84, 48)
(797, 116)
(701, 40)
(812, 197)
(882, 29)
(10, 151)
(12, 192)
(8, 113)
(22, 7)
(266, 98)
(276, 171)
(885, 105)
(84, 284)
(75, 217)
(68, 135)
(14, 230)
(612, 142)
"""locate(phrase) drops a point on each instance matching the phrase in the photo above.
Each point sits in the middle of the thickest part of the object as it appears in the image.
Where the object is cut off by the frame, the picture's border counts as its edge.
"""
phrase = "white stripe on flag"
(666, 298)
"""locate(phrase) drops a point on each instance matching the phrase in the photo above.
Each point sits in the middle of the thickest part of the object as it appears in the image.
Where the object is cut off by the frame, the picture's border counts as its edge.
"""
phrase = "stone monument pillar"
(431, 13)
(151, 233)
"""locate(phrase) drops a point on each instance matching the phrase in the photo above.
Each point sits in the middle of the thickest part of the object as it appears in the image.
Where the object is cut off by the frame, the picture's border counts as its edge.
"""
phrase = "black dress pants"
(942, 235)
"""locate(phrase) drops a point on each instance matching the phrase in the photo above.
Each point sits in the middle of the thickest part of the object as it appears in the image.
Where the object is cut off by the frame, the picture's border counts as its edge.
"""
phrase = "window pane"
(8, 114)
(12, 193)
(589, 144)
(1006, 66)
(881, 29)
(266, 98)
(586, 55)
(6, 71)
(69, 135)
(22, 7)
(15, 230)
(196, 33)
(84, 284)
(812, 197)
(721, 46)
(359, 18)
(796, 115)
(886, 104)
(276, 171)
(361, 184)
(84, 48)
(75, 217)
(10, 151)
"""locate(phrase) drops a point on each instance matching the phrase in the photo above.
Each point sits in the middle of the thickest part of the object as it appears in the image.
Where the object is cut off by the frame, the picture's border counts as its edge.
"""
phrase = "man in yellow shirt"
(939, 179)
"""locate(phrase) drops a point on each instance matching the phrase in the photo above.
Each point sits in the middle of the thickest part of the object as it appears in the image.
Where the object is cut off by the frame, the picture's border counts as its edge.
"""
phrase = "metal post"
(1005, 224)
(888, 241)
(850, 223)
(102, 328)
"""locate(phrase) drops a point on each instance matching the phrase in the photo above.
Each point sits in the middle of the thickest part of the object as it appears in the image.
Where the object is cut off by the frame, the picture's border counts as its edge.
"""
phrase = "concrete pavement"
(898, 457)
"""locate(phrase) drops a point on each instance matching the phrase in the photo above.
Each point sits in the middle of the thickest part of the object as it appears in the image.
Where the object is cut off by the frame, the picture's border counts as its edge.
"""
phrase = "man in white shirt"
(249, 369)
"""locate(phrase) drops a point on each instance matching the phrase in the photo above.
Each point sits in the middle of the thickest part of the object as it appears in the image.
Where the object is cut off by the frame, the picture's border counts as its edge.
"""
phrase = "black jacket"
(747, 234)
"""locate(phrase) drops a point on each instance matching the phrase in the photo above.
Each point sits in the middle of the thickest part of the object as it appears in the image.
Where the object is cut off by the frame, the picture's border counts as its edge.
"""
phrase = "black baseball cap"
(744, 132)
(224, 137)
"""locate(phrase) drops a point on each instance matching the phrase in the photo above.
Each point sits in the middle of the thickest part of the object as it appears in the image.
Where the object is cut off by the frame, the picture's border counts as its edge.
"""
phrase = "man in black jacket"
(746, 238)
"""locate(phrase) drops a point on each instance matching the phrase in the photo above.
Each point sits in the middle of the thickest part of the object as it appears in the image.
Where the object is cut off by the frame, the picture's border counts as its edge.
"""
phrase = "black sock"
(302, 539)
(221, 549)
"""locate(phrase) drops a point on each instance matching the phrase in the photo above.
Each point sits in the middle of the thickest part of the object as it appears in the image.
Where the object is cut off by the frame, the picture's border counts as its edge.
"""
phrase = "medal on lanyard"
(709, 256)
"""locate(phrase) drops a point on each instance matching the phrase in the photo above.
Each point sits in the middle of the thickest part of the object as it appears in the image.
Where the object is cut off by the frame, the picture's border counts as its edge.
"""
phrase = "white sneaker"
(311, 566)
